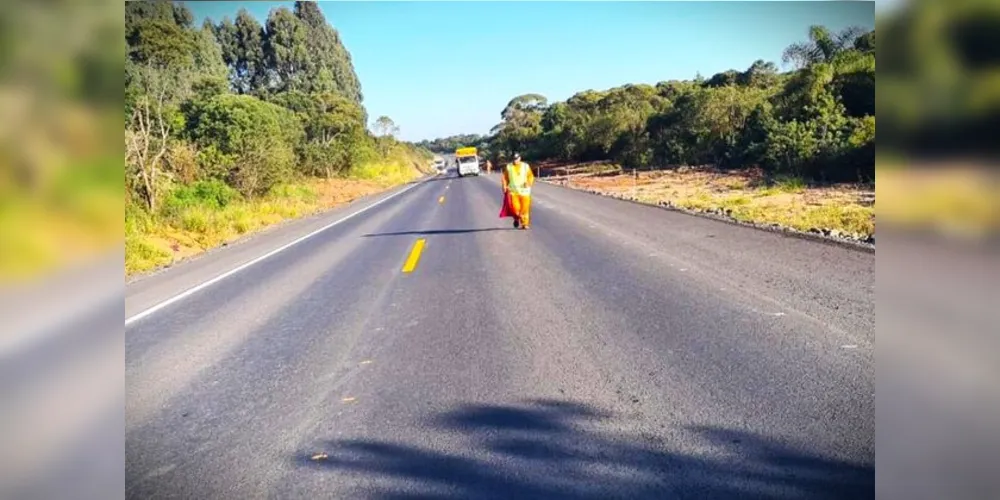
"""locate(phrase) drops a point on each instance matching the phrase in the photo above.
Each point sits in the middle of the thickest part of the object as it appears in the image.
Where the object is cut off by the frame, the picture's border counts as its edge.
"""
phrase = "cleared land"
(846, 210)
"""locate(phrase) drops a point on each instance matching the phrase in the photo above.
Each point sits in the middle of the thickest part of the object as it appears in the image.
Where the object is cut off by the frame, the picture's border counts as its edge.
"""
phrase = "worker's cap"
(517, 156)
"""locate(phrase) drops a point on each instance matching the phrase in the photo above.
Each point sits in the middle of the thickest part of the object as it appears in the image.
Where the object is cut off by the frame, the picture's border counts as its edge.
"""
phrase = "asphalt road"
(612, 351)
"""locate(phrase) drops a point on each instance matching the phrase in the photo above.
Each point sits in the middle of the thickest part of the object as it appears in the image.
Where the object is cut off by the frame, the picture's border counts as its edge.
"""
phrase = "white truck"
(467, 162)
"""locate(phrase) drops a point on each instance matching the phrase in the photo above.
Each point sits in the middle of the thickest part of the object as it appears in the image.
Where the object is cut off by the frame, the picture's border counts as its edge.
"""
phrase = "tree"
(285, 51)
(865, 43)
(854, 84)
(242, 50)
(384, 126)
(823, 46)
(333, 69)
(207, 54)
(673, 89)
(521, 124)
(557, 137)
(760, 74)
(722, 115)
(225, 33)
(161, 44)
(153, 10)
(182, 15)
(523, 104)
(148, 130)
(723, 79)
(451, 143)
(295, 50)
(157, 78)
(334, 127)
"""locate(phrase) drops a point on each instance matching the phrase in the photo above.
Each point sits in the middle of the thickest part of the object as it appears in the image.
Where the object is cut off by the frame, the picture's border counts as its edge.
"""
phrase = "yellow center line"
(411, 261)
(441, 200)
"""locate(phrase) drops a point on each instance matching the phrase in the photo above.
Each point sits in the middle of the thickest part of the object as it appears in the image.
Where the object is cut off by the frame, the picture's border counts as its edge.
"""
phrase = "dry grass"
(745, 196)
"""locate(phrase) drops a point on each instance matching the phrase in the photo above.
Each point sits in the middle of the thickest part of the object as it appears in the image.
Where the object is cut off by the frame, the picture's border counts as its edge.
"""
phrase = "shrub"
(241, 219)
(211, 193)
(137, 220)
(195, 220)
(182, 159)
(255, 139)
(213, 163)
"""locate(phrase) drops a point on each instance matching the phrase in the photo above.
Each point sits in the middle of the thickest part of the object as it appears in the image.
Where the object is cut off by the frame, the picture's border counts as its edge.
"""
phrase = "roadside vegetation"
(206, 214)
(810, 127)
(234, 126)
(814, 124)
(446, 145)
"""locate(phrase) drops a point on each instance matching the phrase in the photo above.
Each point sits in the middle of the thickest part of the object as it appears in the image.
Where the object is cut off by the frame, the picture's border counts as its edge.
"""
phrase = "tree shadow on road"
(440, 231)
(557, 450)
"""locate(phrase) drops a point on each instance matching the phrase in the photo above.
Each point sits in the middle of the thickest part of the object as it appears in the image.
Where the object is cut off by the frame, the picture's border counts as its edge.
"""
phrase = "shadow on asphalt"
(440, 231)
(555, 449)
(436, 178)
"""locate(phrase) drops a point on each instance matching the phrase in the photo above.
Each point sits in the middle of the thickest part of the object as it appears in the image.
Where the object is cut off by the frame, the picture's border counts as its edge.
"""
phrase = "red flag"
(506, 210)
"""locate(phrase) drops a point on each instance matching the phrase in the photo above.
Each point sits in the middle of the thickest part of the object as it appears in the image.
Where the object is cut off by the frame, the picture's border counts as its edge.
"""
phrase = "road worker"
(517, 181)
(489, 167)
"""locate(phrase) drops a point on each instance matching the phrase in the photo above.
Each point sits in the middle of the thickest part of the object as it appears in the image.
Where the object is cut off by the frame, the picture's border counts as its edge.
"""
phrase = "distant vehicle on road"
(467, 161)
(439, 164)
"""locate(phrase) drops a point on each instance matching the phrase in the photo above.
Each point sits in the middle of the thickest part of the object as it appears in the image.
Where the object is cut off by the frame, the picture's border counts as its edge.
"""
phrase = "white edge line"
(195, 289)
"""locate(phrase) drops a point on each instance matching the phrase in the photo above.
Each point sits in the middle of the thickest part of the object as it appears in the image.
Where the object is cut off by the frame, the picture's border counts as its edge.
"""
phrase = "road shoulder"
(721, 216)
(150, 289)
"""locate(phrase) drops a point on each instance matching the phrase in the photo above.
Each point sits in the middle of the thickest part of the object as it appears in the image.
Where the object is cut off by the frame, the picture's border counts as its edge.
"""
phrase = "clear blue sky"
(445, 68)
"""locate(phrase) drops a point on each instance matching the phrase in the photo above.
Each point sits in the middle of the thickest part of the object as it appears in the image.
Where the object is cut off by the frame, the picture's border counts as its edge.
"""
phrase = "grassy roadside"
(204, 215)
(845, 210)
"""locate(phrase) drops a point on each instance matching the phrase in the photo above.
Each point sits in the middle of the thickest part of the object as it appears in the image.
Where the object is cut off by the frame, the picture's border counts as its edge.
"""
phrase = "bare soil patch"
(843, 210)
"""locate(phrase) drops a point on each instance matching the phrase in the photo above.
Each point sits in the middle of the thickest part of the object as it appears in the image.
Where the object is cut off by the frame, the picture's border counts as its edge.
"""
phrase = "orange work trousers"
(521, 204)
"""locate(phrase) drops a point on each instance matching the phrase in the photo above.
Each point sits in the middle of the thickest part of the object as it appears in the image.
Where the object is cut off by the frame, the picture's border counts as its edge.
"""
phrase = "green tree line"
(237, 107)
(449, 144)
(815, 121)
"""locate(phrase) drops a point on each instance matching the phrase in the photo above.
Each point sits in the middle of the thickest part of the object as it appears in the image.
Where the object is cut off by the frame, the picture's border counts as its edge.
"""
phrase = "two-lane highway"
(424, 348)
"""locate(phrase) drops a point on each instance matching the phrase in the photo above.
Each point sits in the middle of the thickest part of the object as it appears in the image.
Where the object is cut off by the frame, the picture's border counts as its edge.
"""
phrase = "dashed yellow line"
(441, 200)
(414, 258)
